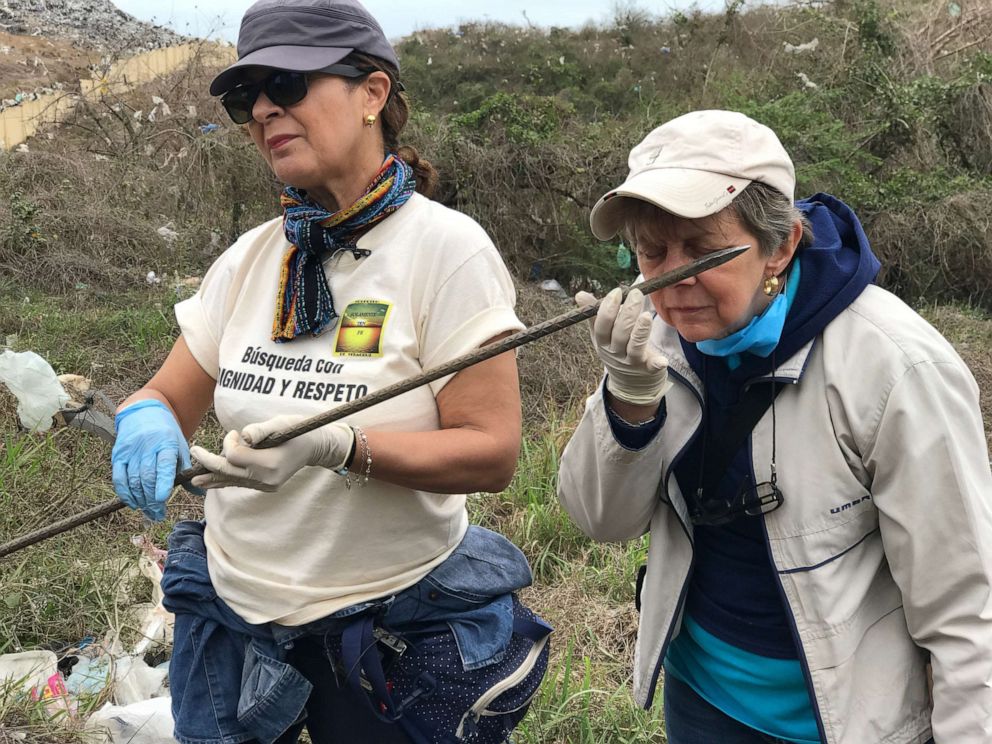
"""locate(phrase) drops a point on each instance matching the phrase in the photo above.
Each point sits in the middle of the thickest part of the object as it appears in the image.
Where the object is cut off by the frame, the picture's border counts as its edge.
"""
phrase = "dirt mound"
(93, 24)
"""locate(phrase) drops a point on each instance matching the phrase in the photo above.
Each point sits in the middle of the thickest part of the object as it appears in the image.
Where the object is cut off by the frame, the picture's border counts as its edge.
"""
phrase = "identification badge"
(362, 328)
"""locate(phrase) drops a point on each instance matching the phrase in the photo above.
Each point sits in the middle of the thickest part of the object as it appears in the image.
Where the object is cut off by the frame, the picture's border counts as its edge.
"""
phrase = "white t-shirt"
(432, 289)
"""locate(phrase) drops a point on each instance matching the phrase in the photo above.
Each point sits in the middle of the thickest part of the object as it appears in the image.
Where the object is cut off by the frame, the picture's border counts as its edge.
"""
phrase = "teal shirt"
(768, 695)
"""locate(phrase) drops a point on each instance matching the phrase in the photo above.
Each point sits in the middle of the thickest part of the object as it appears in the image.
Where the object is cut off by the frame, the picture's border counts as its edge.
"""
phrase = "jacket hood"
(836, 268)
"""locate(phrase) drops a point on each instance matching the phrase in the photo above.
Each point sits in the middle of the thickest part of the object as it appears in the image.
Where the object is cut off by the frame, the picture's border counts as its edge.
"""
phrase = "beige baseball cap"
(695, 165)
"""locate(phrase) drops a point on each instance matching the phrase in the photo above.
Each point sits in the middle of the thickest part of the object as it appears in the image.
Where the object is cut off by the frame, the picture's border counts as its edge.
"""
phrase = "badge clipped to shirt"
(362, 328)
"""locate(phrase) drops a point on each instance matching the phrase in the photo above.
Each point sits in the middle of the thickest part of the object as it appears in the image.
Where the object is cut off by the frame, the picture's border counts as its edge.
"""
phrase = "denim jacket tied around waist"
(230, 680)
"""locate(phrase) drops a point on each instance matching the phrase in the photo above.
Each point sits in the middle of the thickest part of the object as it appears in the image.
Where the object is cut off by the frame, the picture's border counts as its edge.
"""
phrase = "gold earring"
(771, 285)
(370, 120)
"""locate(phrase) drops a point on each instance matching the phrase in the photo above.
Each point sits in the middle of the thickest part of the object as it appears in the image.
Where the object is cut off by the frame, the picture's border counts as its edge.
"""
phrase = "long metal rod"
(349, 409)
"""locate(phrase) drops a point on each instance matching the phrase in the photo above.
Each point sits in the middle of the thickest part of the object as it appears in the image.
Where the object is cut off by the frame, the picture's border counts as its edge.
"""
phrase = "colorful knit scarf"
(304, 304)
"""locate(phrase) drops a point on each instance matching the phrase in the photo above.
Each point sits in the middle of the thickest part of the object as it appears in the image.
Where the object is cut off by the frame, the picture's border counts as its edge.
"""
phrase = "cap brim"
(684, 192)
(296, 58)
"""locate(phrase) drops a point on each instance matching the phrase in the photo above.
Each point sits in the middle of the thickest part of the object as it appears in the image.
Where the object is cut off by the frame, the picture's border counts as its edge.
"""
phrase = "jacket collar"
(790, 371)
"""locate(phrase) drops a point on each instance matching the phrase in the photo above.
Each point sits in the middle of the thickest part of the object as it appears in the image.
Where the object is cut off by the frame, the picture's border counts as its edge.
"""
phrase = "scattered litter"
(208, 128)
(28, 670)
(806, 81)
(430, 61)
(33, 382)
(91, 23)
(144, 722)
(6, 49)
(160, 109)
(953, 9)
(10, 340)
(23, 147)
(191, 111)
(561, 60)
(139, 707)
(35, 674)
(89, 676)
(552, 285)
(98, 156)
(666, 50)
(809, 46)
(81, 286)
(623, 256)
(168, 233)
(152, 278)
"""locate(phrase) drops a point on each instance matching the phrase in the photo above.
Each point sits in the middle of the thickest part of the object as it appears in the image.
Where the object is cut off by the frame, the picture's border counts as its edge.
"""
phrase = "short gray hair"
(765, 212)
(769, 215)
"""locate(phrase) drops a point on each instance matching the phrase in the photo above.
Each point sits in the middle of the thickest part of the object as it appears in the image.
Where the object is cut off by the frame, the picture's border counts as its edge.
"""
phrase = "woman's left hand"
(267, 469)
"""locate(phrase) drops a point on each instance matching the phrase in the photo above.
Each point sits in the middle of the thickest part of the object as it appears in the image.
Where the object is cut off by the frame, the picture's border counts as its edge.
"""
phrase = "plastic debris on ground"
(167, 233)
(33, 382)
(146, 722)
(208, 128)
(138, 707)
(552, 285)
(809, 46)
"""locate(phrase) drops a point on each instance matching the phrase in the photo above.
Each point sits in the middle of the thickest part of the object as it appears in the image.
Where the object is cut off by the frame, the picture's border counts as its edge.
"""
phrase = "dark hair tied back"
(393, 118)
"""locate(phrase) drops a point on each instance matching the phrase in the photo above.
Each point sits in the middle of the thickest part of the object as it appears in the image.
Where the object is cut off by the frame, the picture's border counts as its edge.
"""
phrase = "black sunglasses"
(751, 501)
(282, 87)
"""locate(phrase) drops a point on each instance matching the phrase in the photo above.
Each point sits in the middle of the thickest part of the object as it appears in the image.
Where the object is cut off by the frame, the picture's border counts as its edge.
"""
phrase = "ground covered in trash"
(48, 45)
(94, 24)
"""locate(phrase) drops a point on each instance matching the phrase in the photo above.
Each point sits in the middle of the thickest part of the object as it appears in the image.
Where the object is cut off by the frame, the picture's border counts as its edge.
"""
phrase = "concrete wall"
(19, 123)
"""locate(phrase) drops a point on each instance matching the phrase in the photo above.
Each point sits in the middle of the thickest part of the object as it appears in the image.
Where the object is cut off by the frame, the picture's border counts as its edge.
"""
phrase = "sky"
(221, 18)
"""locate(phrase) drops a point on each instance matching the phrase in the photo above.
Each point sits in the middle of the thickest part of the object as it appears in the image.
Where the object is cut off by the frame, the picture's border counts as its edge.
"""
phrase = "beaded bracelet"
(366, 453)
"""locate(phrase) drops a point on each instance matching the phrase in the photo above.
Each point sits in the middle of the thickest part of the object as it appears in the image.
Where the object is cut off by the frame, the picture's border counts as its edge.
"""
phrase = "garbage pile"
(138, 707)
(94, 24)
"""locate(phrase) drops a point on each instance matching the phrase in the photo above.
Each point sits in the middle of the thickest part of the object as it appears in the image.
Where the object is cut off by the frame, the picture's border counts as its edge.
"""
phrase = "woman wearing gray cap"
(336, 582)
(806, 452)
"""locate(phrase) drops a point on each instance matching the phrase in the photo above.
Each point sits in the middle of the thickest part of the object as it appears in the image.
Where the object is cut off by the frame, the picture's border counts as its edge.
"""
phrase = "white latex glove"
(637, 373)
(267, 469)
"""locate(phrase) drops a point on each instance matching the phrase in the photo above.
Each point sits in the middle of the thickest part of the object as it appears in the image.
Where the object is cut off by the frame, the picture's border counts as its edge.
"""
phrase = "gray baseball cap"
(303, 35)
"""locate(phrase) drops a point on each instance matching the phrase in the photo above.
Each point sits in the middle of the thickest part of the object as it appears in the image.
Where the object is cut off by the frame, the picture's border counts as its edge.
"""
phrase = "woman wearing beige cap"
(806, 453)
(336, 583)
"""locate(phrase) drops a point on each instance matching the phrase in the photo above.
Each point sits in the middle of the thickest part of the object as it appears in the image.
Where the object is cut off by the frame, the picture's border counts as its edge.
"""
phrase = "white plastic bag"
(33, 382)
(27, 670)
(146, 722)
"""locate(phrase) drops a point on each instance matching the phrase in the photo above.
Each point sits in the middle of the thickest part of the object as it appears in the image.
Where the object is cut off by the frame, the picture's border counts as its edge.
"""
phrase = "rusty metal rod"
(348, 409)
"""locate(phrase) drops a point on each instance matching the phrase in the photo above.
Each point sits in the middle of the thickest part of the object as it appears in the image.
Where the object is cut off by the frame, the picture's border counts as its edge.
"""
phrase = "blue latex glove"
(149, 447)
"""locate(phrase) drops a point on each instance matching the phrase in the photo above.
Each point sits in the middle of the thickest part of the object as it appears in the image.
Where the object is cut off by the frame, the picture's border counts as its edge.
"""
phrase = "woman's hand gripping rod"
(456, 365)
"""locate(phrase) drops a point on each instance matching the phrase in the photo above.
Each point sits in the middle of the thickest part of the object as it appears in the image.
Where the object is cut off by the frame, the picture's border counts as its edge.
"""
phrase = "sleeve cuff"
(634, 436)
(470, 336)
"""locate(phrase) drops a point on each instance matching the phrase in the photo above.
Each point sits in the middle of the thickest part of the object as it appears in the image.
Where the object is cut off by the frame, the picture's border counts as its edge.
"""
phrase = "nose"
(676, 258)
(264, 109)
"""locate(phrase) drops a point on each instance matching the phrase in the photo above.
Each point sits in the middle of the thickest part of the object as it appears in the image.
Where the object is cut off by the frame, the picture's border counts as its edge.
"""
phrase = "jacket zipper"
(692, 562)
(793, 628)
(803, 662)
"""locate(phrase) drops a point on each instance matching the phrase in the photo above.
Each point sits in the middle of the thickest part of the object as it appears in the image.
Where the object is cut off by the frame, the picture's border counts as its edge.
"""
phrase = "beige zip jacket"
(883, 546)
